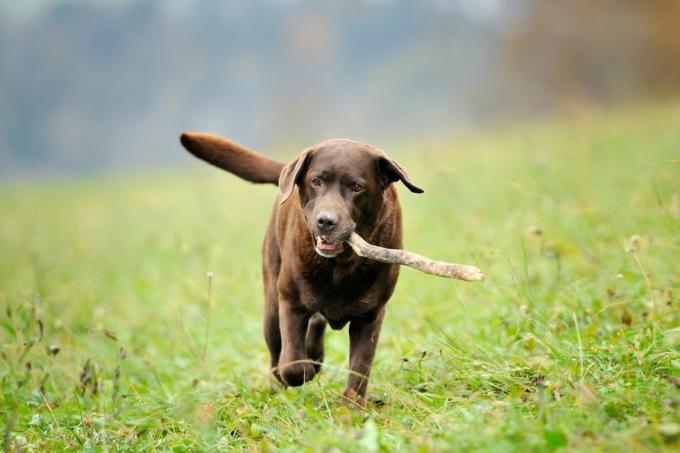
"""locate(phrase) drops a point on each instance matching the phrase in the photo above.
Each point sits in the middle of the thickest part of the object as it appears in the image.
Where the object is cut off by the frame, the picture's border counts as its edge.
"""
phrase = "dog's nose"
(326, 221)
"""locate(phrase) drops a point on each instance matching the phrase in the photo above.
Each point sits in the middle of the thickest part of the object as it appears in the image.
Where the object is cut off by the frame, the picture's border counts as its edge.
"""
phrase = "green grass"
(572, 343)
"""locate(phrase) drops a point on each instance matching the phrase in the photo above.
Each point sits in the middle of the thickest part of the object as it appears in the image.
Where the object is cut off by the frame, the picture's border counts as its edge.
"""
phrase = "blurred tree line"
(89, 85)
(596, 51)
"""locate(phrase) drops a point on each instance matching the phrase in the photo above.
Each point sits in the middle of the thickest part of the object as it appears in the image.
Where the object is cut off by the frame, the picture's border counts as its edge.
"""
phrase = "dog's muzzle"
(329, 247)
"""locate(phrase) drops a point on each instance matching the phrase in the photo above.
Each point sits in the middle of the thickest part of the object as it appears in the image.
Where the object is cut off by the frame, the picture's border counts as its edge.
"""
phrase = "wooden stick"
(423, 264)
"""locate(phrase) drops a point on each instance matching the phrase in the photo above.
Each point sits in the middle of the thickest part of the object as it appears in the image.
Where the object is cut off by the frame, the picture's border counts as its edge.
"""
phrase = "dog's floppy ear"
(292, 174)
(390, 171)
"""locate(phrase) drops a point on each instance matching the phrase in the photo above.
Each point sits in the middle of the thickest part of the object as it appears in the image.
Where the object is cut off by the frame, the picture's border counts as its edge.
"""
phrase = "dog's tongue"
(326, 245)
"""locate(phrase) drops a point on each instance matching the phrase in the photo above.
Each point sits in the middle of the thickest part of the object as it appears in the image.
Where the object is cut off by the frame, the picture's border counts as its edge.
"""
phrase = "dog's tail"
(231, 156)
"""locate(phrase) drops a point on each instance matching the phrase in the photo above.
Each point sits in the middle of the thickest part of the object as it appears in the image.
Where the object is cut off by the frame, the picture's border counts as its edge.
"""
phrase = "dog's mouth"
(327, 247)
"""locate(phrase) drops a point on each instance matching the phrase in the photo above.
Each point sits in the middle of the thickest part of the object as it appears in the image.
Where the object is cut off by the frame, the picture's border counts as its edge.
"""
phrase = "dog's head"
(341, 185)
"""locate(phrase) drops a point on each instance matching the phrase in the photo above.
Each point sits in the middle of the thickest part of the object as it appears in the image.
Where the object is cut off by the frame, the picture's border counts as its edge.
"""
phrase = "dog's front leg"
(363, 339)
(294, 366)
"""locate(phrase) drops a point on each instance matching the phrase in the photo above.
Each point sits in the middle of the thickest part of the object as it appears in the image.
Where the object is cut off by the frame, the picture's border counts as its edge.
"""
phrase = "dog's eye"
(316, 182)
(357, 187)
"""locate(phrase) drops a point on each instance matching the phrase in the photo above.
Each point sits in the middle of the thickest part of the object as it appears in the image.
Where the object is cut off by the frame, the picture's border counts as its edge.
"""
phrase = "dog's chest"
(341, 294)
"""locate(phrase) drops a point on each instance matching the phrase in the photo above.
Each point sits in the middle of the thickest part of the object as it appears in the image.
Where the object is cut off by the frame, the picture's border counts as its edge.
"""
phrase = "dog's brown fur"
(303, 289)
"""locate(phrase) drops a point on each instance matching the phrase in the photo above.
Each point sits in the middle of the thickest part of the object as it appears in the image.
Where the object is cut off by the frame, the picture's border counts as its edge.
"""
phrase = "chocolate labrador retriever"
(311, 277)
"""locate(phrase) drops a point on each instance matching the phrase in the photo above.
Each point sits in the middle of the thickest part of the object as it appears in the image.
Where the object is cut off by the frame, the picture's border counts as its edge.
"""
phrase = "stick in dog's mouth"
(423, 264)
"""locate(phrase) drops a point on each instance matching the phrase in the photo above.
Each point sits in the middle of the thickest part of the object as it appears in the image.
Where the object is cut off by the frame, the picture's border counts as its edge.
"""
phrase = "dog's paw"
(353, 400)
(296, 374)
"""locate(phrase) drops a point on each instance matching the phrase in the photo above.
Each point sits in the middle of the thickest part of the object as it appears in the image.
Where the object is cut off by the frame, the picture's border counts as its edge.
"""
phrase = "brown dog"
(311, 277)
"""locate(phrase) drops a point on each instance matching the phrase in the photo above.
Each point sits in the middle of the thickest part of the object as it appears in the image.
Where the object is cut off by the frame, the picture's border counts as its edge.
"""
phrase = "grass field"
(109, 341)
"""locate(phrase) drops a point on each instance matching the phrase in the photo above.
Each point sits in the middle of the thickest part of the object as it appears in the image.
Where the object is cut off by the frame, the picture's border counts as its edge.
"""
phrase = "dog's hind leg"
(314, 339)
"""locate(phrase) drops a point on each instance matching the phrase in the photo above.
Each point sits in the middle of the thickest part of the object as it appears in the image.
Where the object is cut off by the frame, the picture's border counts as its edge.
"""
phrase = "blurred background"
(108, 85)
(546, 135)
